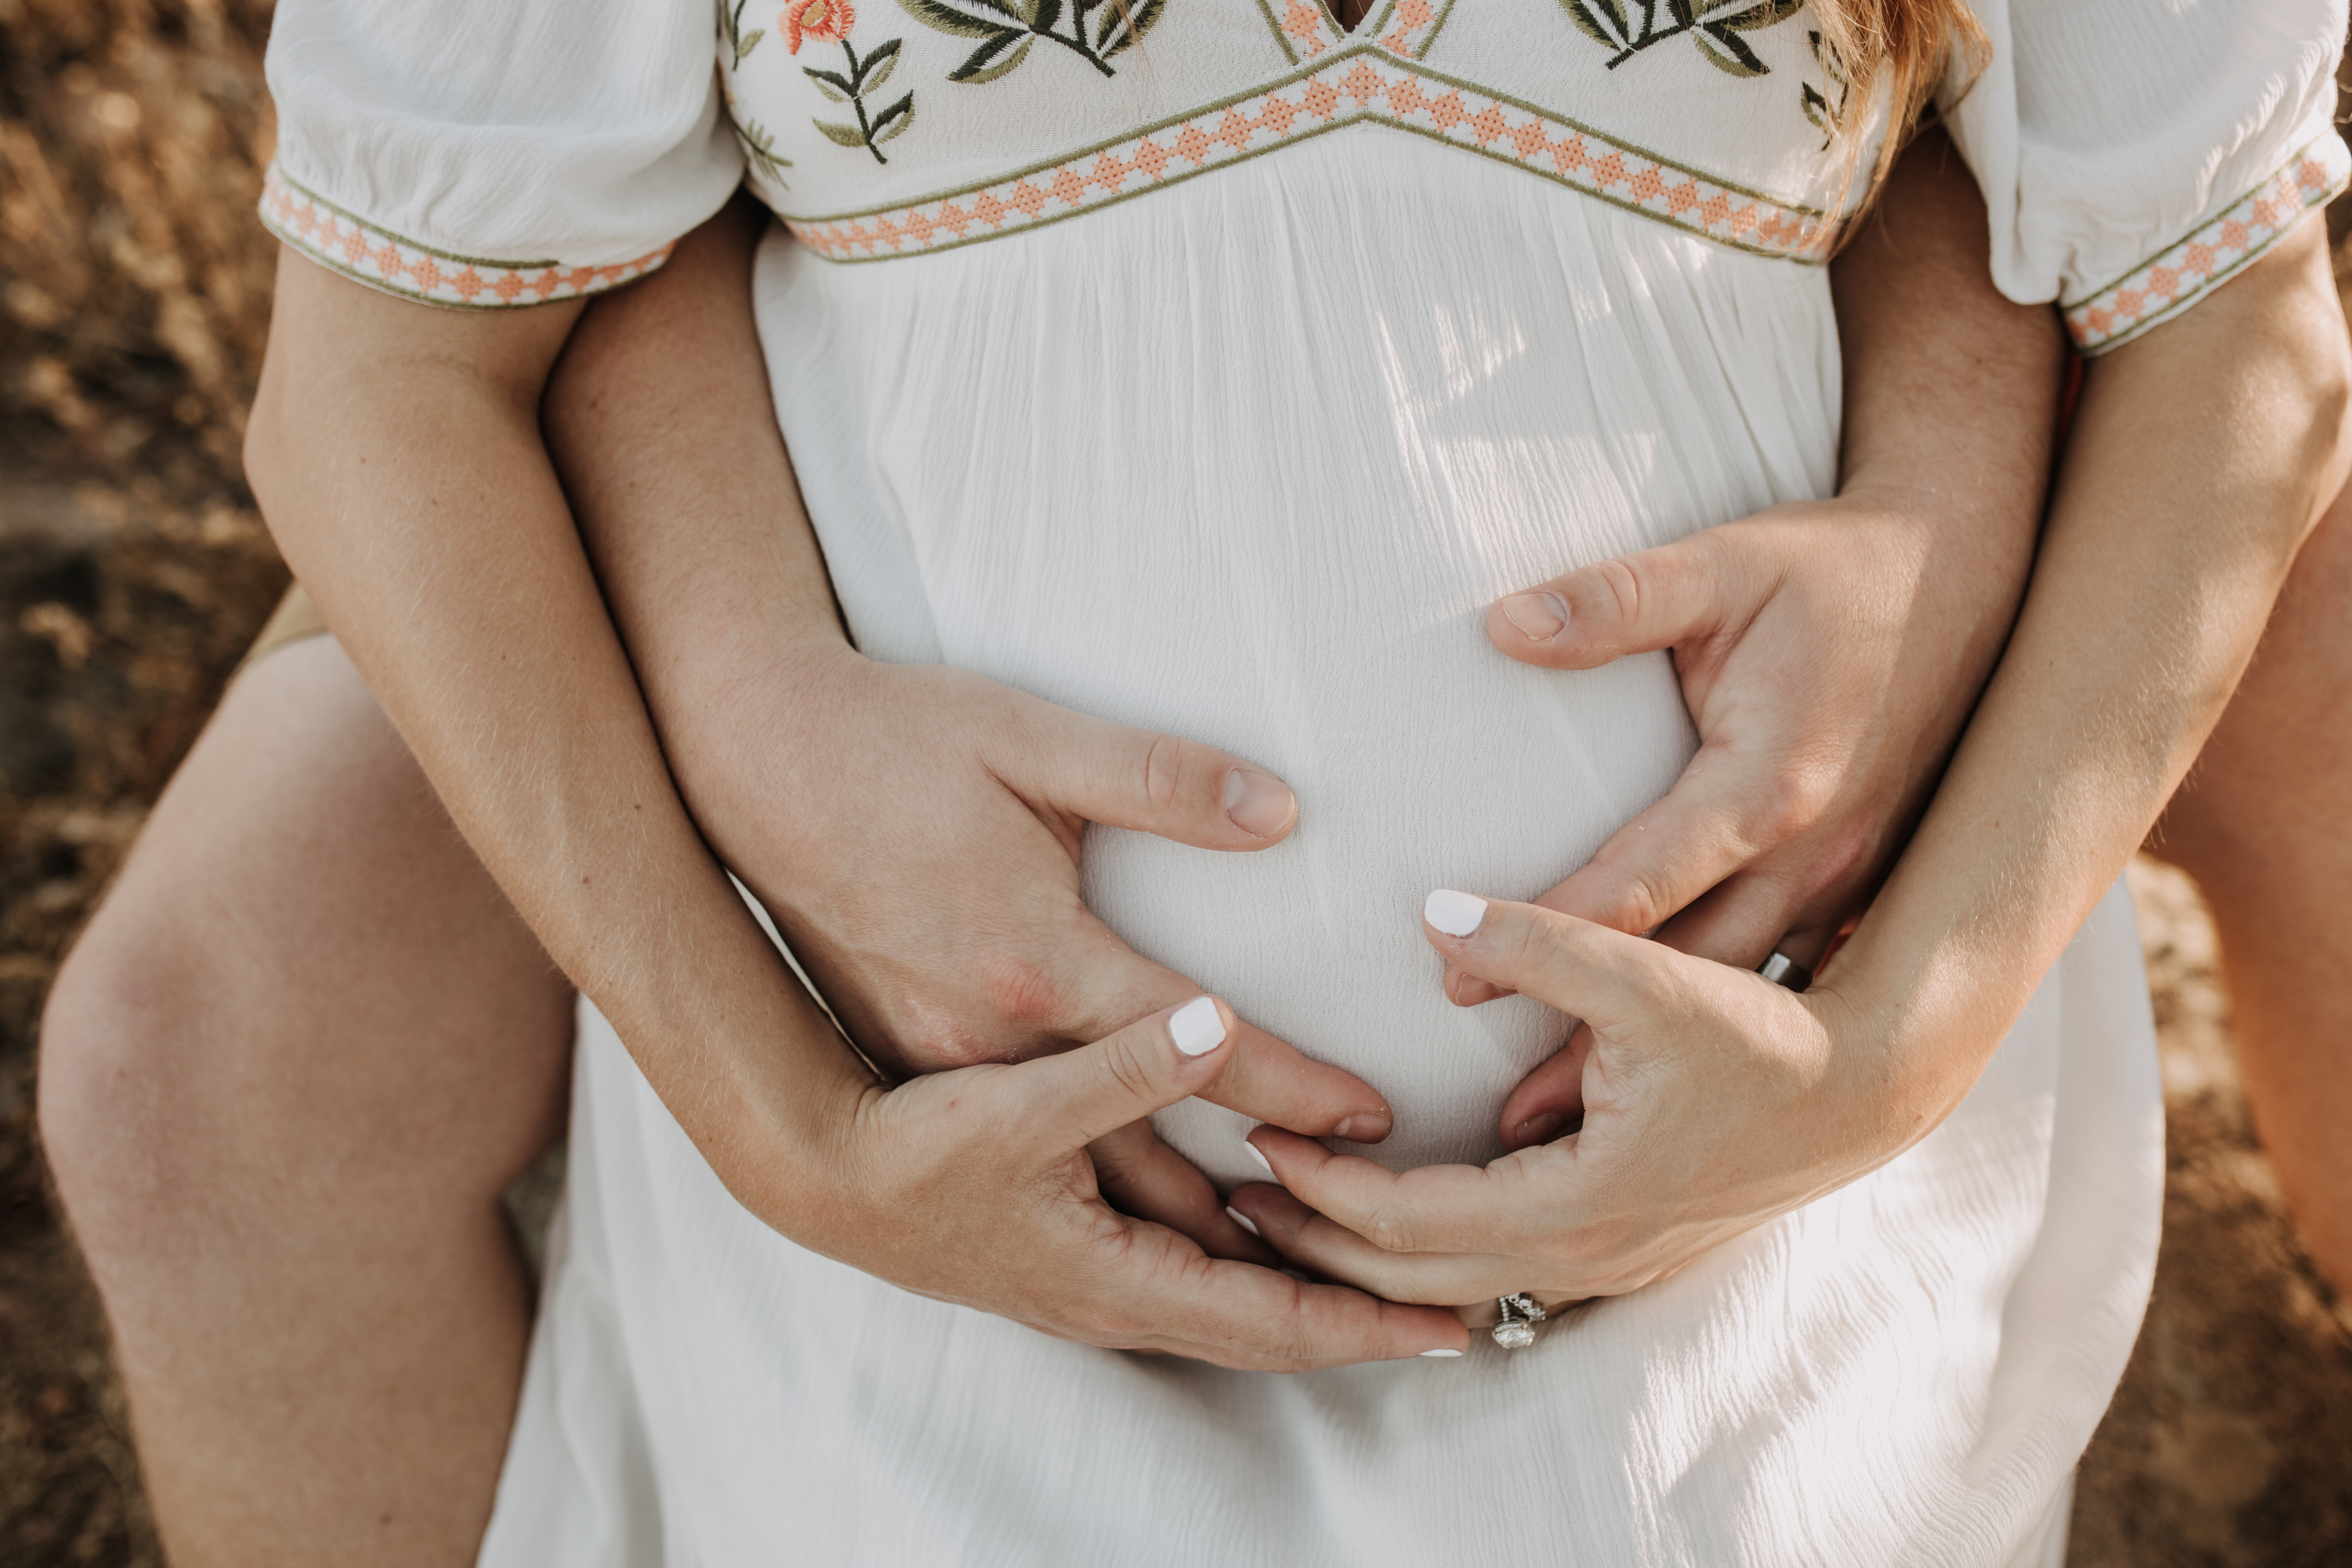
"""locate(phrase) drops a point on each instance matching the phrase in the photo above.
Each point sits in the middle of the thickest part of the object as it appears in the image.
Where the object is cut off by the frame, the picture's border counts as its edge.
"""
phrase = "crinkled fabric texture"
(1246, 461)
(1246, 455)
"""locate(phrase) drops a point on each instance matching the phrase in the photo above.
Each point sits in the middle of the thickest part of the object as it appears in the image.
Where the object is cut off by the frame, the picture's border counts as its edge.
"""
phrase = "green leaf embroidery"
(730, 28)
(1757, 18)
(946, 20)
(1027, 21)
(878, 66)
(1828, 115)
(1817, 109)
(759, 146)
(977, 67)
(895, 119)
(1610, 23)
(1122, 36)
(866, 75)
(1579, 13)
(1734, 58)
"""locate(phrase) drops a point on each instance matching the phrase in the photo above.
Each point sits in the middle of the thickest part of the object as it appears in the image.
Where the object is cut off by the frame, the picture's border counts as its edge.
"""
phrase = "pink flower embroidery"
(824, 19)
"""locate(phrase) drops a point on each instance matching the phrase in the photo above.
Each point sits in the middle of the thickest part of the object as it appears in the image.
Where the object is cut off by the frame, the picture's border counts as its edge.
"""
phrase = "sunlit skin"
(2203, 455)
(2261, 824)
(266, 1436)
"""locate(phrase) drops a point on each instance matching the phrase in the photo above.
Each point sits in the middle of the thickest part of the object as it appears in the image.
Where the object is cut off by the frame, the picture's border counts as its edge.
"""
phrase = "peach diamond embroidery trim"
(2176, 276)
(1355, 87)
(1413, 24)
(330, 236)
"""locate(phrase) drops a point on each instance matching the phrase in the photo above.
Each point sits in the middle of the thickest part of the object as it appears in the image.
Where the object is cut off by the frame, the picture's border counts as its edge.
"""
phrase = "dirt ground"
(133, 296)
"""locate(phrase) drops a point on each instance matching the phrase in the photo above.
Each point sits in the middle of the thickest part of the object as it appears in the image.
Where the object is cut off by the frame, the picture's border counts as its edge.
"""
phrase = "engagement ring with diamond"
(1516, 1329)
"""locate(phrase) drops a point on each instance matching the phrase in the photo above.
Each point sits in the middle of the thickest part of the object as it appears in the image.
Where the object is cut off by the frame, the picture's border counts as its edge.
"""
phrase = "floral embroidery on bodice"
(1002, 115)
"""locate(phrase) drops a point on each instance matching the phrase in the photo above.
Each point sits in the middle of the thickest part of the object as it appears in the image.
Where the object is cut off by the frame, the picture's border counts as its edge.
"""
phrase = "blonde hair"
(1906, 49)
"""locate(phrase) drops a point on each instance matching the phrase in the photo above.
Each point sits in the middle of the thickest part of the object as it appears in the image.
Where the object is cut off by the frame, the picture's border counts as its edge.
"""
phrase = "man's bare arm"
(915, 829)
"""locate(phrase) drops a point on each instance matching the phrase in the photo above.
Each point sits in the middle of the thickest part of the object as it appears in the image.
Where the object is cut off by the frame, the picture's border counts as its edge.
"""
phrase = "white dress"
(1217, 383)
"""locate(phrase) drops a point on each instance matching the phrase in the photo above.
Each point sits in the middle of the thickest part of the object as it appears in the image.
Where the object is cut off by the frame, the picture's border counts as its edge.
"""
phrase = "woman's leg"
(2264, 824)
(285, 1077)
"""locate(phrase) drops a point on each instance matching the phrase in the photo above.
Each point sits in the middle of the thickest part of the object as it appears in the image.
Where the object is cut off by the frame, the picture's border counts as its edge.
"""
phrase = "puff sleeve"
(490, 152)
(2134, 155)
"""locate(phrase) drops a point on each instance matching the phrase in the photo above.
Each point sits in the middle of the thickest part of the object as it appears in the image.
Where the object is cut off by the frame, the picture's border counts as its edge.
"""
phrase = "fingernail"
(1456, 914)
(1241, 1219)
(1256, 803)
(1263, 1163)
(1535, 1130)
(1539, 616)
(1440, 1351)
(1197, 1027)
(1364, 1128)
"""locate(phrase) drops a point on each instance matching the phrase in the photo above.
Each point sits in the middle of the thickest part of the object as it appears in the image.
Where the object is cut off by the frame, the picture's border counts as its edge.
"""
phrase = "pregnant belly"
(1420, 763)
(1335, 634)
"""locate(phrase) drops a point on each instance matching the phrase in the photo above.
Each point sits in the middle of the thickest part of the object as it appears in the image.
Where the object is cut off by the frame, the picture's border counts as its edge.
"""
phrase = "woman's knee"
(2264, 806)
(303, 996)
(130, 1024)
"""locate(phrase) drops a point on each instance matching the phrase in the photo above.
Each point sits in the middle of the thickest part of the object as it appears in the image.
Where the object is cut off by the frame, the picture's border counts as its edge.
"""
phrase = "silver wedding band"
(1782, 970)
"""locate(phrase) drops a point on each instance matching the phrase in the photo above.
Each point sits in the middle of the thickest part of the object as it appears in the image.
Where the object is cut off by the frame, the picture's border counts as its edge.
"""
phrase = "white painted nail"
(1440, 1351)
(1197, 1027)
(1456, 914)
(1241, 1219)
(1254, 1153)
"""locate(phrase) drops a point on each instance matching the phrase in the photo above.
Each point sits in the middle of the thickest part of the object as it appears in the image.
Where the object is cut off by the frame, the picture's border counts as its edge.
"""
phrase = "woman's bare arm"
(2203, 455)
(396, 453)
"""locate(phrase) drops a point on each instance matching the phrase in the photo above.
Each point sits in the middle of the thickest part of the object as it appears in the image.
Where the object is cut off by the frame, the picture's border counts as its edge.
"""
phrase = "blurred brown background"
(134, 288)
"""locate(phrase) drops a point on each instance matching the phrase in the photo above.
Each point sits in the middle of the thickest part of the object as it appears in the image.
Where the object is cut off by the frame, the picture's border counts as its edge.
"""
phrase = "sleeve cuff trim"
(361, 250)
(2176, 278)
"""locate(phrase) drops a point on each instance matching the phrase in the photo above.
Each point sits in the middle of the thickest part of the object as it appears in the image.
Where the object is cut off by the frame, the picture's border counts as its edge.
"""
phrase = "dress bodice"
(893, 129)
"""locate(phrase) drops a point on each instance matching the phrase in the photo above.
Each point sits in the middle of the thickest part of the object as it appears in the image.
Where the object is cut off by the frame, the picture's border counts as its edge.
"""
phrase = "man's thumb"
(1632, 604)
(1126, 777)
(1073, 1099)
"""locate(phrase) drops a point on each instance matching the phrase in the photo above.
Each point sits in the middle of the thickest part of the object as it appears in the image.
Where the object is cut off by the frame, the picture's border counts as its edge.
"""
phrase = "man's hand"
(1830, 652)
(1829, 666)
(974, 1186)
(925, 872)
(914, 829)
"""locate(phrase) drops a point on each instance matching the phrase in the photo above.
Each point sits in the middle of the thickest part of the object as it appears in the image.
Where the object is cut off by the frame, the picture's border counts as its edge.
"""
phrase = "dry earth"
(133, 294)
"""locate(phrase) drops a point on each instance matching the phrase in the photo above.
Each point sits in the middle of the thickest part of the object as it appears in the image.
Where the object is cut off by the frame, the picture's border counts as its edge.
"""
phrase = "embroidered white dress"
(1196, 363)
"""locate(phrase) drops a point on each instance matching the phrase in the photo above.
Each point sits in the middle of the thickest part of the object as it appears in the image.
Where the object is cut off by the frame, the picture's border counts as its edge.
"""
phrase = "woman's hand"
(1712, 1100)
(975, 1187)
(1830, 652)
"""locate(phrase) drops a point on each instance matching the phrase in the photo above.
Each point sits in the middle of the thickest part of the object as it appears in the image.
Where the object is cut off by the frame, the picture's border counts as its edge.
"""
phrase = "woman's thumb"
(1073, 1099)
